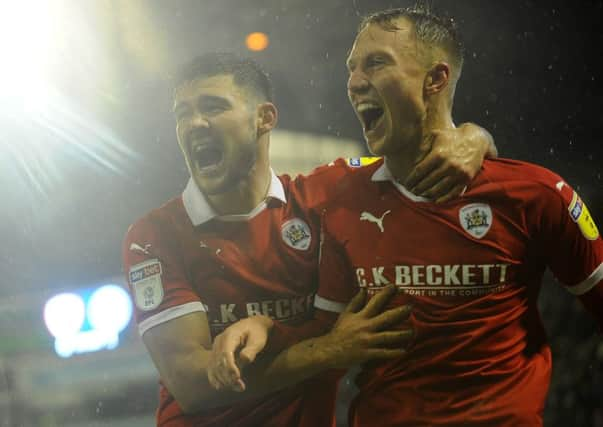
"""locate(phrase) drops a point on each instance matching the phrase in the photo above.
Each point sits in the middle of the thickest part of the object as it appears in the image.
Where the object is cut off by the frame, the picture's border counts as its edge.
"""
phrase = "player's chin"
(375, 145)
(212, 184)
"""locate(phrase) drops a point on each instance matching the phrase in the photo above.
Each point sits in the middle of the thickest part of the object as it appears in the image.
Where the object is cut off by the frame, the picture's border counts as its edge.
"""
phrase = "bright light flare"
(64, 314)
(44, 128)
(110, 309)
(28, 33)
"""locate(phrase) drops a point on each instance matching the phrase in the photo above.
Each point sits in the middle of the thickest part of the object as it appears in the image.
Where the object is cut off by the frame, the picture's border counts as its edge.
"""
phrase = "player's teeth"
(366, 106)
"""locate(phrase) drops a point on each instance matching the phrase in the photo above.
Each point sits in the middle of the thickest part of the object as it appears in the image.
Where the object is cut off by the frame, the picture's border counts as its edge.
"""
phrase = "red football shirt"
(183, 258)
(472, 269)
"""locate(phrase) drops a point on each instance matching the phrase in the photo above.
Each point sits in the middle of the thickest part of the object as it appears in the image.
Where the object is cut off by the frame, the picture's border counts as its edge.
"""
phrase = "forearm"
(481, 138)
(291, 366)
(492, 151)
(282, 363)
(186, 379)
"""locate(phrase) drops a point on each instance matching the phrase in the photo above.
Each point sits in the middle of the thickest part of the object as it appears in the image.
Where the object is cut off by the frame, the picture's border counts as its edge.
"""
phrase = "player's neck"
(402, 163)
(248, 193)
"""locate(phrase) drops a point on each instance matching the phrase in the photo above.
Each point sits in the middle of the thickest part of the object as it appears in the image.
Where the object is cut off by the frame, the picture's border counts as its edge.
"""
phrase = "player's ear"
(437, 78)
(267, 116)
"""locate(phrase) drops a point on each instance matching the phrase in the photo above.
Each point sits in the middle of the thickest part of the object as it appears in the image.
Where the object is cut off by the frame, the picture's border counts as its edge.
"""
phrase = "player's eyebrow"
(201, 100)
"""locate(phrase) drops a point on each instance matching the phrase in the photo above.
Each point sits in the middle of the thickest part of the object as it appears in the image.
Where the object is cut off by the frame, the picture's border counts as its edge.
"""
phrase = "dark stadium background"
(532, 76)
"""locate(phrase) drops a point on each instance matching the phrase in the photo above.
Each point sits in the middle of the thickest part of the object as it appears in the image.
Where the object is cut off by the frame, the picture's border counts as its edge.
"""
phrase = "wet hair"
(247, 73)
(430, 29)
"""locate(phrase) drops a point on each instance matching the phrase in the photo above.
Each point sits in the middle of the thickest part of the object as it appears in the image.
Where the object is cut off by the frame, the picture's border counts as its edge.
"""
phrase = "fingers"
(223, 373)
(391, 317)
(442, 188)
(357, 302)
(422, 170)
(456, 191)
(385, 353)
(378, 302)
(252, 348)
(393, 338)
(222, 369)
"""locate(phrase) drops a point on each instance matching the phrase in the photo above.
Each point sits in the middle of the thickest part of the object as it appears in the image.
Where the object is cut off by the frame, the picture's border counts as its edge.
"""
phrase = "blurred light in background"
(257, 41)
(88, 321)
(54, 73)
(27, 35)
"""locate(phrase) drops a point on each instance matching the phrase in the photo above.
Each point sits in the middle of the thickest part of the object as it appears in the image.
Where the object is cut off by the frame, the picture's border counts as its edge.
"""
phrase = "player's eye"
(375, 61)
(181, 114)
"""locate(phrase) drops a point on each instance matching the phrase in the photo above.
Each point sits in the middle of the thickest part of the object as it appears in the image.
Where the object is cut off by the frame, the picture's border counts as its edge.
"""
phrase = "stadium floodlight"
(64, 314)
(27, 34)
(109, 309)
(88, 320)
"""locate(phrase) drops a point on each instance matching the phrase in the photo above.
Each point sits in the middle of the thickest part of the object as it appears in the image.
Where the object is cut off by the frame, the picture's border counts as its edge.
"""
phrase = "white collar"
(384, 174)
(200, 211)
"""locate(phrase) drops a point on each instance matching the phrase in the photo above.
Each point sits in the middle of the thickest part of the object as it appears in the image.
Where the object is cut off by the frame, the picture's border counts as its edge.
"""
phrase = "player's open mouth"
(207, 157)
(370, 114)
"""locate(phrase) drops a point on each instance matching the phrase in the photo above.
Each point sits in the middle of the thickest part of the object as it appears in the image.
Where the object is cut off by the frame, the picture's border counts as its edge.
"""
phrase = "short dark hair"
(247, 73)
(429, 28)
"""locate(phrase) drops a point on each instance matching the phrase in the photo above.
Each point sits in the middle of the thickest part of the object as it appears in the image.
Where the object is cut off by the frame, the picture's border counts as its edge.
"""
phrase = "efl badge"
(476, 219)
(581, 216)
(296, 234)
(145, 279)
(357, 162)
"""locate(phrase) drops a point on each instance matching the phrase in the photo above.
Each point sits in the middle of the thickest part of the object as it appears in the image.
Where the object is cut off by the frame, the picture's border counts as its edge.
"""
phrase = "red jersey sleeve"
(321, 186)
(572, 244)
(336, 285)
(155, 274)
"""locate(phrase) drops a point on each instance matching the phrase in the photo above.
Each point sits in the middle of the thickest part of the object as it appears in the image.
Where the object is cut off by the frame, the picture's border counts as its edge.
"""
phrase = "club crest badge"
(296, 233)
(476, 219)
(145, 279)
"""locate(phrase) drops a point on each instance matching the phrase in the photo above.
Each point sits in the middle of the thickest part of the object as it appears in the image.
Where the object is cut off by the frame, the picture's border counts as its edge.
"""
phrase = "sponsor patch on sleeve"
(357, 162)
(145, 279)
(581, 216)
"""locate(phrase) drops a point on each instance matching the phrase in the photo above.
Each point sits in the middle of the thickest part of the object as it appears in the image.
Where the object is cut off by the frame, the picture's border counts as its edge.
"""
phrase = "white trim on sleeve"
(589, 283)
(328, 305)
(169, 314)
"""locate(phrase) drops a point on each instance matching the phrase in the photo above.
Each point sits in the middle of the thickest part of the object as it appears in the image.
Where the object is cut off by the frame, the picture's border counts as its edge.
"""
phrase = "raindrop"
(550, 67)
(474, 54)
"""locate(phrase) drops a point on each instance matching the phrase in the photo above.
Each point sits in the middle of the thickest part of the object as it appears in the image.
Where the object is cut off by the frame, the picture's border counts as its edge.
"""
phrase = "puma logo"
(137, 247)
(367, 216)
